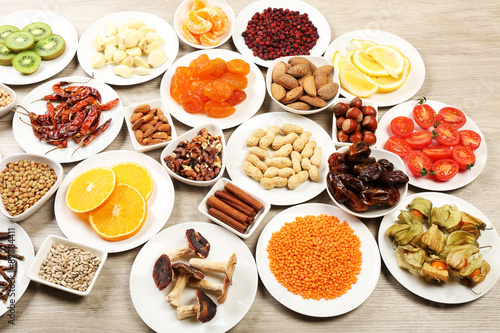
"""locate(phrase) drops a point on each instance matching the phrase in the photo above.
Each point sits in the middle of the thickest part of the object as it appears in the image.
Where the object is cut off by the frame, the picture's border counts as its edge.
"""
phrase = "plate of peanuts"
(279, 156)
(323, 241)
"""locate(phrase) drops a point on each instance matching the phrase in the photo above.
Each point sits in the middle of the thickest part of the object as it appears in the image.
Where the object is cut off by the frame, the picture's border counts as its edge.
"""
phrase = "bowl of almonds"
(27, 181)
(302, 84)
(150, 125)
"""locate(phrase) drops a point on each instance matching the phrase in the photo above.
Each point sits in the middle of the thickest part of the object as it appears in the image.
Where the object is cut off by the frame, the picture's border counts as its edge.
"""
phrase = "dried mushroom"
(433, 239)
(447, 217)
(410, 257)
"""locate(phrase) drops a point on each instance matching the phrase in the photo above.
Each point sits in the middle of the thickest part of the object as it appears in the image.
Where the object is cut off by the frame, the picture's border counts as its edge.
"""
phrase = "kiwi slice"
(26, 62)
(6, 30)
(6, 56)
(19, 41)
(38, 29)
(51, 47)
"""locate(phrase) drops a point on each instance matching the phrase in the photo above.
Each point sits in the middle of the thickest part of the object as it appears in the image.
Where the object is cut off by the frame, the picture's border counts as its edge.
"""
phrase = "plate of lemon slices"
(377, 66)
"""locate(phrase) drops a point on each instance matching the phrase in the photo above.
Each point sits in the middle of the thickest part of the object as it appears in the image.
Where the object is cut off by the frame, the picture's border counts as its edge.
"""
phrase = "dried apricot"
(238, 66)
(218, 90)
(219, 109)
(197, 24)
(236, 97)
(224, 23)
(191, 102)
(221, 68)
(208, 39)
(179, 82)
(196, 63)
(206, 69)
(239, 82)
(190, 37)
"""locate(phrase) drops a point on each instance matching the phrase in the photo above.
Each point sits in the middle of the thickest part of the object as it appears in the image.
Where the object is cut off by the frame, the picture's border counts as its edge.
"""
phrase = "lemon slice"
(367, 64)
(362, 44)
(356, 83)
(389, 83)
(390, 58)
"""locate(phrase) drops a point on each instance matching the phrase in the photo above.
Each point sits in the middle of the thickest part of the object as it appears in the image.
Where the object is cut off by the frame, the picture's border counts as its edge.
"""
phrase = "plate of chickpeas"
(317, 260)
(7, 99)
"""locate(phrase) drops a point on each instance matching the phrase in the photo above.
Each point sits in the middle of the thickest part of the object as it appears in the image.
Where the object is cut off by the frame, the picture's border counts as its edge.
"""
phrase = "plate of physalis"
(441, 248)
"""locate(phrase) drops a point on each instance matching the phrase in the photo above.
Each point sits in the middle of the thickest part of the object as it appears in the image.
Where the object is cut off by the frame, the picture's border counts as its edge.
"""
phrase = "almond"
(299, 70)
(287, 81)
(147, 118)
(320, 80)
(149, 131)
(160, 135)
(328, 91)
(277, 91)
(161, 115)
(155, 141)
(144, 108)
(280, 68)
(145, 127)
(323, 70)
(310, 86)
(164, 128)
(138, 123)
(301, 80)
(299, 106)
(302, 60)
(139, 135)
(135, 117)
(314, 101)
(292, 95)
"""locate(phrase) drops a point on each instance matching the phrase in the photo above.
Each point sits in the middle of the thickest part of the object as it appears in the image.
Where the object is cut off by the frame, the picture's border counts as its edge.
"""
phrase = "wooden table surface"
(459, 42)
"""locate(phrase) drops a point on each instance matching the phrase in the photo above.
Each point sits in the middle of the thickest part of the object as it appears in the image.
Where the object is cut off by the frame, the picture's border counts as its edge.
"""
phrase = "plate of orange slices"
(114, 201)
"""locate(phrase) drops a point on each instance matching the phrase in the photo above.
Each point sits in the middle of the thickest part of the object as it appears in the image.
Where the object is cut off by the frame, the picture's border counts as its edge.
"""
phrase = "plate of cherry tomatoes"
(442, 147)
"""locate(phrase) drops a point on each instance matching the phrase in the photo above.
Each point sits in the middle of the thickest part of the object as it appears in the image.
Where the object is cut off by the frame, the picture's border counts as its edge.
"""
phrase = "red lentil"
(315, 256)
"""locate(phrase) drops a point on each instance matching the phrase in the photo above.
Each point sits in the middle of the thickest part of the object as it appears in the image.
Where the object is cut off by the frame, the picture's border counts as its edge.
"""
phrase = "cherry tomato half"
(469, 138)
(446, 135)
(424, 115)
(464, 156)
(398, 146)
(452, 116)
(418, 163)
(402, 126)
(437, 152)
(445, 170)
(419, 139)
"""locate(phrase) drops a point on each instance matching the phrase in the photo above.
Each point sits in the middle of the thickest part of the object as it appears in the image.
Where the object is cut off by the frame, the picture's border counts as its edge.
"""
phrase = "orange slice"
(122, 216)
(190, 37)
(90, 190)
(224, 23)
(196, 24)
(208, 39)
(135, 175)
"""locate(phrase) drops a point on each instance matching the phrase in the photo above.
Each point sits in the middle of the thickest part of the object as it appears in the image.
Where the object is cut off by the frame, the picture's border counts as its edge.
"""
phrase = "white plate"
(213, 130)
(417, 72)
(25, 248)
(155, 103)
(463, 177)
(315, 17)
(237, 150)
(159, 315)
(360, 291)
(334, 123)
(27, 140)
(13, 95)
(86, 48)
(447, 293)
(59, 26)
(256, 92)
(160, 203)
(378, 211)
(185, 7)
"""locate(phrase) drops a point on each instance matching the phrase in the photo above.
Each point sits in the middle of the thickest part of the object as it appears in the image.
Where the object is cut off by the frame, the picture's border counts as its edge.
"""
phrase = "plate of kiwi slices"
(35, 45)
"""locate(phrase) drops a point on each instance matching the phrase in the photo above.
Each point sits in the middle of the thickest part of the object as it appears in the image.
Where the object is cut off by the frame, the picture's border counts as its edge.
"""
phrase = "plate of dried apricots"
(213, 86)
(204, 24)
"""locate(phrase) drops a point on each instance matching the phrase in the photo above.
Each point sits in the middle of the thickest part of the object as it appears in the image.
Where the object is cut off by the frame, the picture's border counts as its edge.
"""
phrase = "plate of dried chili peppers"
(69, 119)
(16, 256)
(441, 248)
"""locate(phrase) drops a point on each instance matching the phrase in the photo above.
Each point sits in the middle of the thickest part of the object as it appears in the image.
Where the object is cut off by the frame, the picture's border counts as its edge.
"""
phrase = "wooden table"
(459, 43)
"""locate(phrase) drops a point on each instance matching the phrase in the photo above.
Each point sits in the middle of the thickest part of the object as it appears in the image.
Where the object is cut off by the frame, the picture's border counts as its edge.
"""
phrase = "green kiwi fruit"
(6, 55)
(6, 30)
(38, 29)
(19, 41)
(26, 62)
(50, 48)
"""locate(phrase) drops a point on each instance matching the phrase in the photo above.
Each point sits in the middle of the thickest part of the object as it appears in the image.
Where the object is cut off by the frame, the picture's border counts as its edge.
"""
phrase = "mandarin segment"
(199, 4)
(190, 37)
(197, 24)
(224, 23)
(208, 39)
(210, 14)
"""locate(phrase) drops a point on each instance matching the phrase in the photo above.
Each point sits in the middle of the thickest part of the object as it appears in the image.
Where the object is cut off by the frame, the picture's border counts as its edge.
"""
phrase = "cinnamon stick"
(234, 202)
(228, 210)
(243, 196)
(227, 220)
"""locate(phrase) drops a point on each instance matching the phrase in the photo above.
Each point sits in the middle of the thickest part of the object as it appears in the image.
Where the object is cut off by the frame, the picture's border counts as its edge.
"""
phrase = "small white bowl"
(377, 211)
(185, 7)
(334, 124)
(203, 208)
(318, 61)
(13, 104)
(213, 130)
(155, 103)
(43, 252)
(58, 169)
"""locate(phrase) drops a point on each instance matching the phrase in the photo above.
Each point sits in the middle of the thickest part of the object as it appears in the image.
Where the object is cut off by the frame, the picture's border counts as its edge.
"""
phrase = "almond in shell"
(277, 91)
(287, 81)
(320, 80)
(299, 70)
(301, 106)
(314, 101)
(328, 91)
(323, 70)
(292, 95)
(280, 68)
(309, 86)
